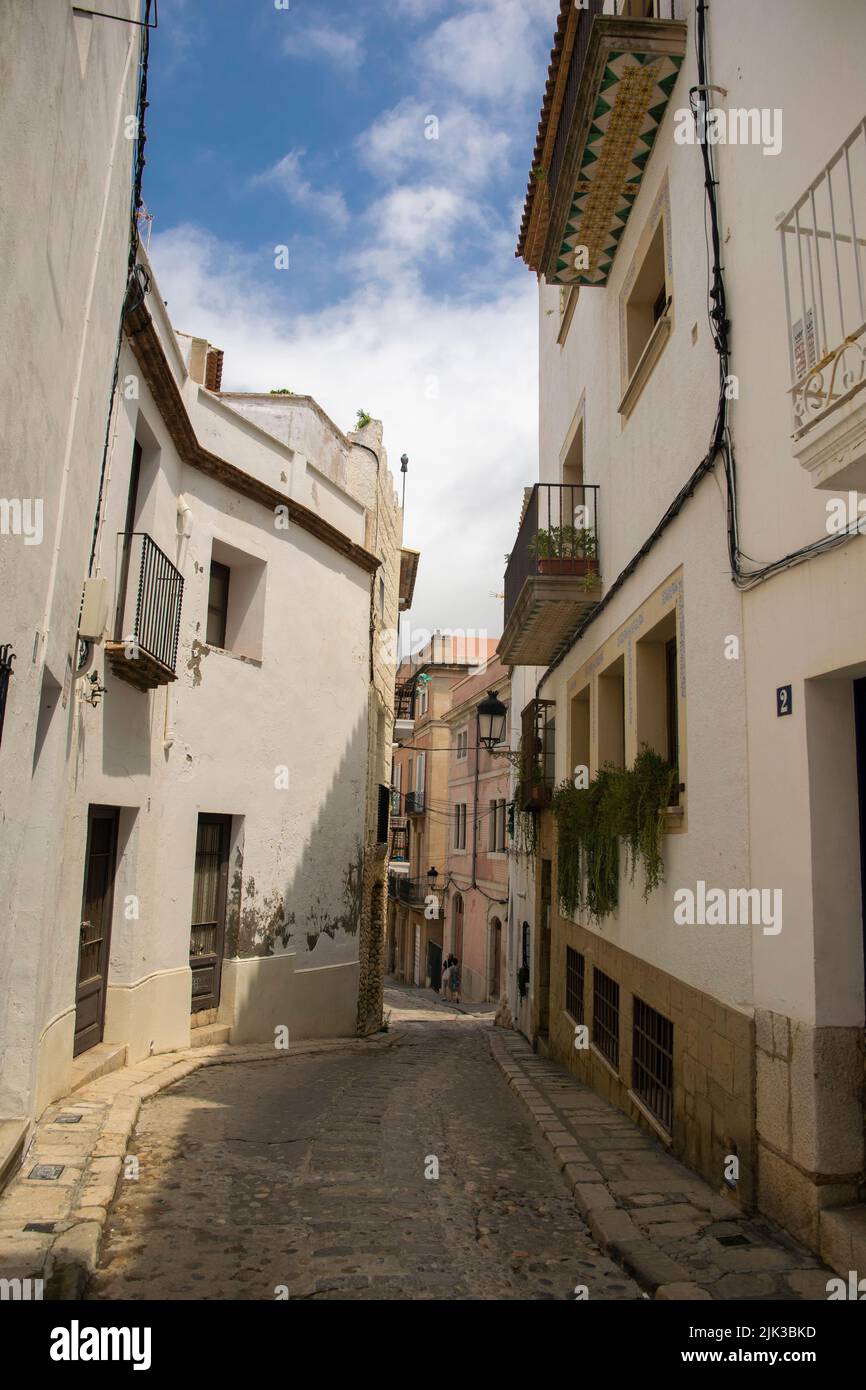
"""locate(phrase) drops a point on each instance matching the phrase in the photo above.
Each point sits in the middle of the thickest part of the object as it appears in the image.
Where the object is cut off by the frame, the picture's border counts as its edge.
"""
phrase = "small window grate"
(575, 968)
(653, 1061)
(605, 1016)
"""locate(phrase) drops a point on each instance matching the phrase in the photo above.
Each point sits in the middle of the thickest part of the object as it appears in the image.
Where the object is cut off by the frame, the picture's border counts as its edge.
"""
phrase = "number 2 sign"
(783, 700)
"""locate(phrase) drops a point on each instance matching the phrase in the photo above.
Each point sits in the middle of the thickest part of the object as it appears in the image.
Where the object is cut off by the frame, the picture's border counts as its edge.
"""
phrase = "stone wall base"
(810, 1124)
(713, 1106)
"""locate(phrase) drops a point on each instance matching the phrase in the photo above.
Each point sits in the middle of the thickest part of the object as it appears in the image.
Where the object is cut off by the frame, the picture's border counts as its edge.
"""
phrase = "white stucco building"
(195, 761)
(720, 621)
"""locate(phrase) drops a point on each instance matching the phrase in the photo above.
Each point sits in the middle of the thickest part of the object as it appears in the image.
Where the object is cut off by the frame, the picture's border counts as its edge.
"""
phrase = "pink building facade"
(476, 898)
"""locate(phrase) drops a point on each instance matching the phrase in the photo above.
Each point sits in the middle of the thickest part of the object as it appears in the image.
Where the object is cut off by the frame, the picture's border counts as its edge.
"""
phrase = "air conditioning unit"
(94, 610)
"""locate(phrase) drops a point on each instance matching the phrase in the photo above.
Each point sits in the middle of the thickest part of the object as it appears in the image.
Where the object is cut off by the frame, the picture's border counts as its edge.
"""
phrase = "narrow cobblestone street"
(311, 1176)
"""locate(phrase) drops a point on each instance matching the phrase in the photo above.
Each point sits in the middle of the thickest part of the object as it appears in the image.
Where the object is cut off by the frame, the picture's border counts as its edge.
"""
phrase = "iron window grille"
(575, 969)
(605, 1016)
(653, 1062)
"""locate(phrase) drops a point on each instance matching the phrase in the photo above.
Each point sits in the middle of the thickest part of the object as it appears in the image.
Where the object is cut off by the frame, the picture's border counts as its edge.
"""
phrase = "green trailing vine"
(619, 804)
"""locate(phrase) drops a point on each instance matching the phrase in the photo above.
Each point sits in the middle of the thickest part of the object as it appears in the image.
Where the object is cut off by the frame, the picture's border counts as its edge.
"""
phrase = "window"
(422, 697)
(574, 979)
(217, 604)
(646, 322)
(658, 707)
(462, 745)
(672, 707)
(537, 754)
(611, 714)
(460, 826)
(567, 304)
(648, 298)
(605, 1016)
(653, 1061)
(382, 817)
(580, 736)
(236, 601)
(381, 598)
(524, 948)
(496, 826)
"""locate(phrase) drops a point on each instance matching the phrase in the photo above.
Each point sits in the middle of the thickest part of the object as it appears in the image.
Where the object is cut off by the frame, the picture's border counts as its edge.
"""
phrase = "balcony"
(537, 769)
(147, 625)
(411, 891)
(825, 299)
(612, 71)
(414, 803)
(404, 711)
(552, 581)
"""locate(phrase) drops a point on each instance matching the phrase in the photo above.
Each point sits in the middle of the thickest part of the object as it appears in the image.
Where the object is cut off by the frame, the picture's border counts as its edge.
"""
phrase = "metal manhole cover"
(46, 1172)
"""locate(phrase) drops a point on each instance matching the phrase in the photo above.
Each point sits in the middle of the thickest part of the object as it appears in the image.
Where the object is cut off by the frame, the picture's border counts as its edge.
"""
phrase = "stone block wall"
(713, 1057)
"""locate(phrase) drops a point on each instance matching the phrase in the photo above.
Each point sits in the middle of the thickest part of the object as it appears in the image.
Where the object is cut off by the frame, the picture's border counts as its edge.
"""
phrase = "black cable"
(137, 278)
(722, 439)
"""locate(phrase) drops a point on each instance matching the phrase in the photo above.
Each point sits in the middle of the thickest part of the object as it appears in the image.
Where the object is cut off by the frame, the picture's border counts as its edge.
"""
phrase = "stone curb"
(70, 1259)
(610, 1225)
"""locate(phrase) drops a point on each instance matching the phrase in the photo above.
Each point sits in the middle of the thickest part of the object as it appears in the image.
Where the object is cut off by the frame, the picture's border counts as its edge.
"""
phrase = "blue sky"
(310, 127)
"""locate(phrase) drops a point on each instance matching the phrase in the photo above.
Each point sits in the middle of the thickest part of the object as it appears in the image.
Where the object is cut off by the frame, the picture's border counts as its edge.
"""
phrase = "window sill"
(673, 819)
(236, 656)
(658, 1128)
(604, 1062)
(648, 359)
(565, 322)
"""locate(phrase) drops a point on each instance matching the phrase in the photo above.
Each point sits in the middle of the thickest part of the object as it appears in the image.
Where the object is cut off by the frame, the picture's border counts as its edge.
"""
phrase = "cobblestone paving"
(311, 1175)
(663, 1222)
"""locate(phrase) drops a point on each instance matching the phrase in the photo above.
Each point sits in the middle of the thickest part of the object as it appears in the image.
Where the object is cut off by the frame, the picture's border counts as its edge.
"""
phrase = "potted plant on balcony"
(565, 550)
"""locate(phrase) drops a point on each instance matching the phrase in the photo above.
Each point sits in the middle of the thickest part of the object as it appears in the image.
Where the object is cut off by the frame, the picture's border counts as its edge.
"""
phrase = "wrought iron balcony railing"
(558, 536)
(537, 755)
(150, 594)
(823, 244)
(404, 702)
(414, 803)
(412, 891)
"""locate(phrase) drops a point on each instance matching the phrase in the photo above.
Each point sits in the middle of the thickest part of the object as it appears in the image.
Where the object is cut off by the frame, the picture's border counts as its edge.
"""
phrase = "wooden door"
(94, 939)
(208, 925)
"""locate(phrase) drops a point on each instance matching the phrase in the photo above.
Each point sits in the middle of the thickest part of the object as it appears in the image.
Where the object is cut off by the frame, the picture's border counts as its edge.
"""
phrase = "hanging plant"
(619, 804)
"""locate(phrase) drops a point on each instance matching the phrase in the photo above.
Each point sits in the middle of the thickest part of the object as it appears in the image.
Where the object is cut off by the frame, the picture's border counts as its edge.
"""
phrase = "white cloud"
(461, 146)
(493, 51)
(410, 227)
(286, 175)
(338, 46)
(453, 379)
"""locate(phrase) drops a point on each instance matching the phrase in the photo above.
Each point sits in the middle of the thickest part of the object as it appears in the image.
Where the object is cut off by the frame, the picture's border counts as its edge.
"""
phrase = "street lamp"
(432, 875)
(491, 721)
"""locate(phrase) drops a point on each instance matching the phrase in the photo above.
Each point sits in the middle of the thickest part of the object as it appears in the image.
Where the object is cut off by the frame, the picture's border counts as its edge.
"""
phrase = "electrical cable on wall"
(722, 439)
(137, 278)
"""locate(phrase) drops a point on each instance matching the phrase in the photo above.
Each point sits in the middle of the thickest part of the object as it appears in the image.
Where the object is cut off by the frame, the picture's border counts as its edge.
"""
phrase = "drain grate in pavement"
(67, 1119)
(733, 1240)
(46, 1228)
(46, 1172)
